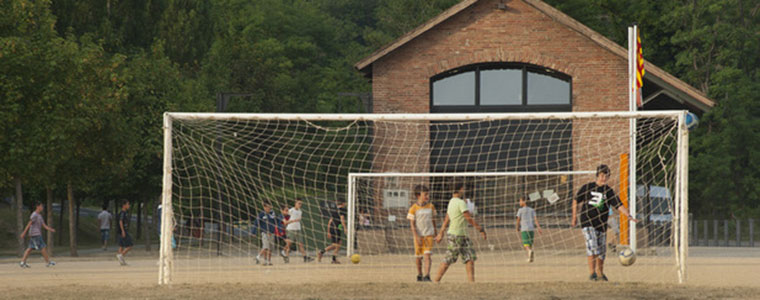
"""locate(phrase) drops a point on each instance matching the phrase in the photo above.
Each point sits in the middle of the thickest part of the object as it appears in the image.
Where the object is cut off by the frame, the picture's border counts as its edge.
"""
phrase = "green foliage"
(84, 83)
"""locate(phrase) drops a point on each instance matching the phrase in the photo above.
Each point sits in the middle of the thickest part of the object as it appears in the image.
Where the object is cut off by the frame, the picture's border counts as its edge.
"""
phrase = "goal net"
(231, 179)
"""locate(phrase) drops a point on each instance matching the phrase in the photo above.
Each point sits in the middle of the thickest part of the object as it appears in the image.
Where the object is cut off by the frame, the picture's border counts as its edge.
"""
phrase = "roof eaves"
(367, 61)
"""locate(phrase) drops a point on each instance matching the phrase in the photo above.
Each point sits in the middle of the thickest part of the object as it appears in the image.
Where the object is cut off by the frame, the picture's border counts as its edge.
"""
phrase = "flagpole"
(632, 94)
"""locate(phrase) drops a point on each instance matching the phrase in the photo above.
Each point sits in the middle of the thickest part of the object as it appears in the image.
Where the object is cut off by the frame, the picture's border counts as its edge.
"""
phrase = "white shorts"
(266, 241)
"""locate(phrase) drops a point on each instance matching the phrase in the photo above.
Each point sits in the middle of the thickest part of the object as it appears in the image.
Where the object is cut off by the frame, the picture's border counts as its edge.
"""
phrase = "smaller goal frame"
(351, 195)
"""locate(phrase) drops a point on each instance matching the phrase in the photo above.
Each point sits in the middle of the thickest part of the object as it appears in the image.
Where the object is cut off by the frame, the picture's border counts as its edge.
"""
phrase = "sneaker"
(24, 265)
(121, 259)
(604, 278)
(308, 259)
(592, 277)
(427, 278)
(286, 259)
(419, 278)
(258, 259)
(530, 254)
(319, 255)
(50, 264)
(335, 262)
(282, 253)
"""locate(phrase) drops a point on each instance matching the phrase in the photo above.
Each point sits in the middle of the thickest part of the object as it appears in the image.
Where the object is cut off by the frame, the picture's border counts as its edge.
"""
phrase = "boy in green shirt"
(456, 237)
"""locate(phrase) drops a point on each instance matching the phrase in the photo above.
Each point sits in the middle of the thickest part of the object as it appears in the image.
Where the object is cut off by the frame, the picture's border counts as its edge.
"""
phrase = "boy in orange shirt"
(421, 218)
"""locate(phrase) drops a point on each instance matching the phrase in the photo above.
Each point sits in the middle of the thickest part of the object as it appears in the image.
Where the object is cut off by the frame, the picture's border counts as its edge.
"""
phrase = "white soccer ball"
(627, 257)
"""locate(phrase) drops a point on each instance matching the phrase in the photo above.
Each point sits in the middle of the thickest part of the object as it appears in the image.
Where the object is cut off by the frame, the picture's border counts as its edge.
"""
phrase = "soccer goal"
(227, 176)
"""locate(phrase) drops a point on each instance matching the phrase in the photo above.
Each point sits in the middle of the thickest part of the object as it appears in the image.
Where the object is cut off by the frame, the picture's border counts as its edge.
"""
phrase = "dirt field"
(712, 273)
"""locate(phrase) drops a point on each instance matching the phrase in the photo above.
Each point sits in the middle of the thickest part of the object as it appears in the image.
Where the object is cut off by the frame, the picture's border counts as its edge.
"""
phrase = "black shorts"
(125, 241)
(337, 235)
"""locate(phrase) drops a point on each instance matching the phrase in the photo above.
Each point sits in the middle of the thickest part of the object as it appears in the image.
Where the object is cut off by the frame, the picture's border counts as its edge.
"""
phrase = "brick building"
(507, 56)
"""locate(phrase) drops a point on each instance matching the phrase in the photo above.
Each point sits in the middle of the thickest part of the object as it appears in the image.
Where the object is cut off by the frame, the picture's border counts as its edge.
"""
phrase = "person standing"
(266, 224)
(458, 242)
(104, 222)
(125, 240)
(422, 222)
(295, 231)
(34, 227)
(593, 203)
(526, 218)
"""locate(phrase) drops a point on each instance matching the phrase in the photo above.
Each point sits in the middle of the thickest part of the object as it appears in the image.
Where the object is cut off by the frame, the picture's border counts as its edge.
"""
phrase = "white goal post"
(213, 145)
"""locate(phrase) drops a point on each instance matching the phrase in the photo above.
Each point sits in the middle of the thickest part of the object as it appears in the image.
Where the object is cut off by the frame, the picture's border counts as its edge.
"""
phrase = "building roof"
(669, 84)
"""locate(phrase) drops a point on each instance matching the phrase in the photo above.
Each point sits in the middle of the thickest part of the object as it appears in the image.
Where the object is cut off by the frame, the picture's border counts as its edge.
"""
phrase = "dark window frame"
(524, 107)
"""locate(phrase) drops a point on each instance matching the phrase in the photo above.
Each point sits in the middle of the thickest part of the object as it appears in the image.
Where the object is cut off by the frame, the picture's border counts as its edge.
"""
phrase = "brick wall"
(481, 34)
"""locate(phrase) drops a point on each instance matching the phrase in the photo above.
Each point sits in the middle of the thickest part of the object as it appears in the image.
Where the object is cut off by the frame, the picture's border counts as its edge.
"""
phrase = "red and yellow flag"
(639, 68)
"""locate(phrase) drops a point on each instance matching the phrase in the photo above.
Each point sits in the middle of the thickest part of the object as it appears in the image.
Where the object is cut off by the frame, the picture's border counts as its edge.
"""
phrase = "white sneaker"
(282, 253)
(50, 264)
(24, 265)
(258, 259)
(121, 259)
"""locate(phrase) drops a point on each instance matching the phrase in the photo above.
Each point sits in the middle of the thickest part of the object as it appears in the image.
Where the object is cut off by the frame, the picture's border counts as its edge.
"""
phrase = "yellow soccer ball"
(355, 258)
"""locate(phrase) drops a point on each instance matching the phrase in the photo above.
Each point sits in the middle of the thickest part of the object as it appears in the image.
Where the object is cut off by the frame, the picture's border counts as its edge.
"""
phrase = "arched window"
(500, 87)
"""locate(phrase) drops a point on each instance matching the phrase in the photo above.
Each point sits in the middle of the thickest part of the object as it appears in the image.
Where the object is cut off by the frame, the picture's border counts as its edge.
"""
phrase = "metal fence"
(723, 233)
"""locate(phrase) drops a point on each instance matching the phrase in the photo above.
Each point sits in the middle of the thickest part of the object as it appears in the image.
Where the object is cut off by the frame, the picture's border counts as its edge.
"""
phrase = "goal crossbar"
(426, 117)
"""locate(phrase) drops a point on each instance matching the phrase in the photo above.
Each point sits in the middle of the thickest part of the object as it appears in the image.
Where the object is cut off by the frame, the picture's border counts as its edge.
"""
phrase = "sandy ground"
(712, 273)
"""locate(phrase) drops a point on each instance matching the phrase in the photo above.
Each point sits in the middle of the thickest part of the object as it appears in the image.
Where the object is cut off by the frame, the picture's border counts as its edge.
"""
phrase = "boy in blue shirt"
(266, 224)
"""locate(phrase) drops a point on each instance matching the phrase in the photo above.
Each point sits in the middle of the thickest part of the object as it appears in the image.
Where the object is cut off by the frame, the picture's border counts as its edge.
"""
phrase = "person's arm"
(624, 211)
(414, 231)
(329, 223)
(620, 207)
(472, 222)
(121, 225)
(433, 220)
(575, 213)
(439, 237)
(26, 229)
(343, 222)
(576, 201)
(47, 227)
(517, 224)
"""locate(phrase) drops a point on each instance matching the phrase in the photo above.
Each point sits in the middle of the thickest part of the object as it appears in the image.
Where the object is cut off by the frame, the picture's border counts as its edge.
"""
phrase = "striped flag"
(639, 69)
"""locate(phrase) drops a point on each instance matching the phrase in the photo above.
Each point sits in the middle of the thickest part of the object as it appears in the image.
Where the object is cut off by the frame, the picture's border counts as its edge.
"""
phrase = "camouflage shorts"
(459, 245)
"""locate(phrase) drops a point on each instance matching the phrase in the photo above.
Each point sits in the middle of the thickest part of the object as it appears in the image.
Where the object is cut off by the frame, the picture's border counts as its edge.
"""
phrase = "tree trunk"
(76, 216)
(139, 219)
(19, 206)
(72, 221)
(60, 221)
(49, 221)
(146, 228)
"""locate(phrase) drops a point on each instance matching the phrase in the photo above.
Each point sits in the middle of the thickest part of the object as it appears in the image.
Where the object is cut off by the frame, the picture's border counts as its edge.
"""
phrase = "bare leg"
(45, 255)
(126, 250)
(301, 248)
(591, 264)
(428, 262)
(26, 254)
(470, 266)
(287, 247)
(418, 261)
(600, 265)
(441, 270)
